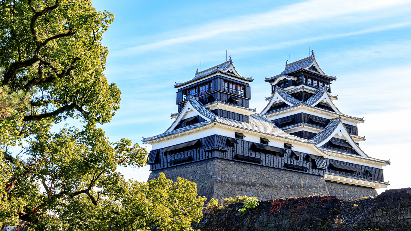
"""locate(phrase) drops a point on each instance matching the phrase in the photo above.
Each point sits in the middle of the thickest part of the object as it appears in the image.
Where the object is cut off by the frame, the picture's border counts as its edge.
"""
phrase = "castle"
(300, 144)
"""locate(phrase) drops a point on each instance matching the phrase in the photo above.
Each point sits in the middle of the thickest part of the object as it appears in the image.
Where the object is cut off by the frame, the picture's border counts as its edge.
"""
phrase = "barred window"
(198, 90)
(234, 88)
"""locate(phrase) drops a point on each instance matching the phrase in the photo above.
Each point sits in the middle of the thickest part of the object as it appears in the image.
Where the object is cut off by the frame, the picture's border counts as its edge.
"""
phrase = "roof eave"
(178, 85)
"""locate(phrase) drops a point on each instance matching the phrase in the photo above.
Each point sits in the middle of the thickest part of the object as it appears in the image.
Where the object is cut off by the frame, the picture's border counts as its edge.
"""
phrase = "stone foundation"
(344, 191)
(221, 179)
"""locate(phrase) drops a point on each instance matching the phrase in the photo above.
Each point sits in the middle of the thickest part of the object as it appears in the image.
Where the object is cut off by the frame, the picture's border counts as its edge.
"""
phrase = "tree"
(51, 66)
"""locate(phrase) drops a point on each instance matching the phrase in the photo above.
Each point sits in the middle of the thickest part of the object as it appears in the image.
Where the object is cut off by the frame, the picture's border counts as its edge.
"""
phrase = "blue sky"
(366, 44)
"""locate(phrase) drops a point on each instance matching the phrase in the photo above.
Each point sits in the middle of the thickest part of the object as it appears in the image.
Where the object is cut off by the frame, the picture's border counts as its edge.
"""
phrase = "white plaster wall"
(184, 138)
(190, 114)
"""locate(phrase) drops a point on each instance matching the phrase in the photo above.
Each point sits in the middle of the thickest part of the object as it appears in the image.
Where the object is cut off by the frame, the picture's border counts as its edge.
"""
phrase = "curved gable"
(336, 128)
(322, 97)
(191, 108)
(277, 97)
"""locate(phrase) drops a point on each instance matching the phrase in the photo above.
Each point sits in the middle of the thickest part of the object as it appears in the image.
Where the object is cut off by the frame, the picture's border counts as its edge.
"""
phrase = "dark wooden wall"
(332, 146)
(376, 173)
(231, 115)
(217, 93)
(217, 146)
(304, 134)
(189, 121)
(310, 119)
(277, 107)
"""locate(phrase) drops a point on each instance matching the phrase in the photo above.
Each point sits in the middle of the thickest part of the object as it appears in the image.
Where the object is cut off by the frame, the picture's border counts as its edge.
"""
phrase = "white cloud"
(388, 138)
(291, 43)
(292, 14)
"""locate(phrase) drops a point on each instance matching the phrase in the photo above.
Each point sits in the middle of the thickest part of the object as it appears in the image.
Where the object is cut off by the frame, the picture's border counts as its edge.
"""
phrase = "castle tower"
(299, 145)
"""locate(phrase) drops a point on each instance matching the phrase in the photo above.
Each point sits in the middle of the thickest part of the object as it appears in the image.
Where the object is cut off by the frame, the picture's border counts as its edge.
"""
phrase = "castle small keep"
(300, 144)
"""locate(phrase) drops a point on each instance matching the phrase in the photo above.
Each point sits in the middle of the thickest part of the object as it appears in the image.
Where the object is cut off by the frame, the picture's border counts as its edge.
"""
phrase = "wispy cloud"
(286, 44)
(292, 14)
(190, 59)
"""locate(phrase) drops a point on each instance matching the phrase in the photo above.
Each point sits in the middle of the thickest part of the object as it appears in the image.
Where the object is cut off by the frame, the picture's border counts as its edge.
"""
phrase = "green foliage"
(240, 199)
(212, 204)
(249, 202)
(65, 178)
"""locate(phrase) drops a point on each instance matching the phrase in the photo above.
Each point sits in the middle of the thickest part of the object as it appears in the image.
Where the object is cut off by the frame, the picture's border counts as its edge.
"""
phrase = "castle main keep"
(300, 144)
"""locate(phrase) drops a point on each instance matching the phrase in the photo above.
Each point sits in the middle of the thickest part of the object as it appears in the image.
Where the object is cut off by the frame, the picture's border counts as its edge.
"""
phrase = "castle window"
(183, 146)
(288, 146)
(321, 84)
(234, 88)
(193, 91)
(295, 155)
(264, 140)
(295, 167)
(309, 81)
(267, 149)
(239, 135)
(231, 142)
(205, 88)
(240, 90)
(315, 82)
(197, 90)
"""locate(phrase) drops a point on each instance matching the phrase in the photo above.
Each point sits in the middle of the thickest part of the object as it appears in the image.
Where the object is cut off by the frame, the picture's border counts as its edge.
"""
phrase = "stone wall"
(220, 179)
(242, 179)
(343, 191)
(389, 211)
(200, 173)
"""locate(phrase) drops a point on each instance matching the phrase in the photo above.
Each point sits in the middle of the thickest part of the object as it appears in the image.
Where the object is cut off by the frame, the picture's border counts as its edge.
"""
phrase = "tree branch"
(36, 81)
(62, 35)
(53, 113)
(36, 15)
(93, 200)
(11, 71)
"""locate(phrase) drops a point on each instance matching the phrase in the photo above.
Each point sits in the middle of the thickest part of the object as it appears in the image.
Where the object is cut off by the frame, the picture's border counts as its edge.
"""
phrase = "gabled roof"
(308, 64)
(192, 104)
(280, 95)
(322, 95)
(305, 63)
(256, 123)
(225, 68)
(273, 80)
(336, 127)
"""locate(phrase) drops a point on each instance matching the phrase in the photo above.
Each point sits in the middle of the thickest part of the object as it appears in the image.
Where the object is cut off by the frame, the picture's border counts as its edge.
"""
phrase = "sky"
(365, 44)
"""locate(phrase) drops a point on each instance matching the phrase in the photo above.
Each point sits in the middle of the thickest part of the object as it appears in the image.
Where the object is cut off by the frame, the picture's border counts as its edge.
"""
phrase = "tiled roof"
(329, 129)
(316, 97)
(197, 125)
(272, 79)
(313, 99)
(256, 123)
(201, 109)
(233, 105)
(224, 67)
(293, 101)
(301, 64)
(288, 97)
